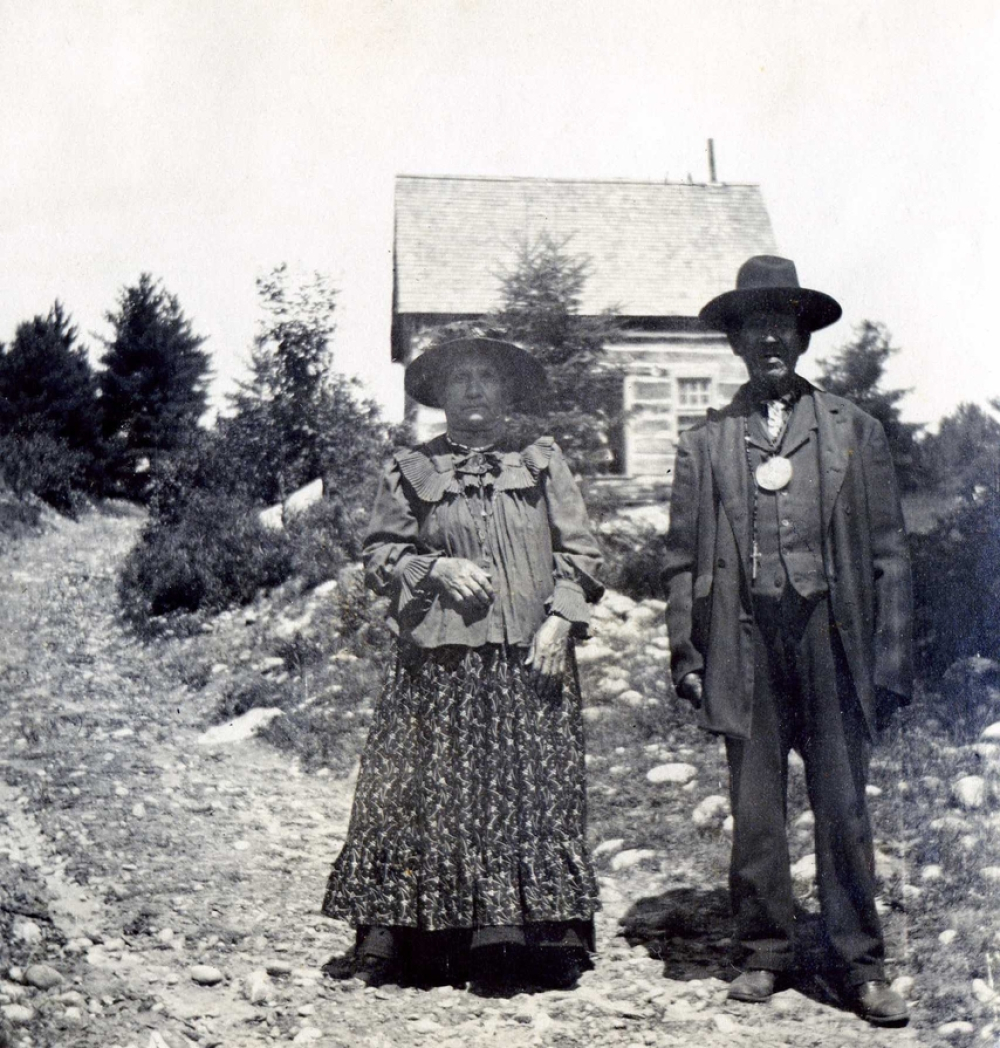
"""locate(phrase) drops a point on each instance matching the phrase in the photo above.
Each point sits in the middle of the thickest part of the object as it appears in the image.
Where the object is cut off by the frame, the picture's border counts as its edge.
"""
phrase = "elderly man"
(790, 619)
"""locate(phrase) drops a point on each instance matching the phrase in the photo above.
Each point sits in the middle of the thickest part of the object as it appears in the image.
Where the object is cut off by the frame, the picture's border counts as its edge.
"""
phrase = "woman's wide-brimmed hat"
(523, 374)
(767, 281)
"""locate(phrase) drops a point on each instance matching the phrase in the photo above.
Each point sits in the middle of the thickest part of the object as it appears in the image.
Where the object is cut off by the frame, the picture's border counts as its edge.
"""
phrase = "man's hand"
(546, 659)
(462, 582)
(691, 688)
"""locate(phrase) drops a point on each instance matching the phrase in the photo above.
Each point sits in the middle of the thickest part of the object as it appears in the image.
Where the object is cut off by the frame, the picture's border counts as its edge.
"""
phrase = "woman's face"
(474, 395)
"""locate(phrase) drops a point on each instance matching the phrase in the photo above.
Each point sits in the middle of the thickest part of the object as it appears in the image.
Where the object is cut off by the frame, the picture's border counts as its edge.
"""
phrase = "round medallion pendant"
(774, 474)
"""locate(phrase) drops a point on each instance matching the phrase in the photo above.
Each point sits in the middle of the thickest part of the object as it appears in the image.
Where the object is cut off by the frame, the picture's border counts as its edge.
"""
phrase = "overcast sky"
(207, 141)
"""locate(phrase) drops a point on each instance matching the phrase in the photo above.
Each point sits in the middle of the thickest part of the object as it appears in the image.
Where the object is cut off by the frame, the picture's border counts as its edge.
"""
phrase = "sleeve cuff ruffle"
(569, 602)
(414, 599)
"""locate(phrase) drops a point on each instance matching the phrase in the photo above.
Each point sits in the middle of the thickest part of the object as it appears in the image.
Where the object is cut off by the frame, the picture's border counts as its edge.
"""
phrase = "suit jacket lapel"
(833, 452)
(729, 468)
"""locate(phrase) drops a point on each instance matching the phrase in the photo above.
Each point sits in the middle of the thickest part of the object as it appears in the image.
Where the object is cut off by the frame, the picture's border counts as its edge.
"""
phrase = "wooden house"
(657, 251)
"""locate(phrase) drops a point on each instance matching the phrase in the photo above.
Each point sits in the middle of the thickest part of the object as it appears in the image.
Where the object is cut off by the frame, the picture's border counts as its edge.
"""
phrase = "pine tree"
(540, 311)
(856, 372)
(49, 395)
(155, 386)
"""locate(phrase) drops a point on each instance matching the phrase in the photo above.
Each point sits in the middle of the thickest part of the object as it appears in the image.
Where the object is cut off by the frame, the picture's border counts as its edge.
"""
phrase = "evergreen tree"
(155, 386)
(964, 455)
(540, 311)
(856, 372)
(47, 384)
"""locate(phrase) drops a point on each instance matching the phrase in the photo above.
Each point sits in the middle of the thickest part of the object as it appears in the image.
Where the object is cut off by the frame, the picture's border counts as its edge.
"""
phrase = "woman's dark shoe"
(875, 1002)
(754, 987)
(557, 969)
(374, 971)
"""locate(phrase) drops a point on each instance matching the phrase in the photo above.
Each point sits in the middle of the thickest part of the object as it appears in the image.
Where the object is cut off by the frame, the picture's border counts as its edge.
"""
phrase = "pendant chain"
(775, 446)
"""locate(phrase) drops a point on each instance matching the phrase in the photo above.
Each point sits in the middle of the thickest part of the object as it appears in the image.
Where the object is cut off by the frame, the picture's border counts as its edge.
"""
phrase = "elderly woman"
(466, 854)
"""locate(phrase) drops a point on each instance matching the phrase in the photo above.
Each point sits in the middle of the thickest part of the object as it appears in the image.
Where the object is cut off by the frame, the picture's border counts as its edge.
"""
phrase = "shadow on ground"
(689, 929)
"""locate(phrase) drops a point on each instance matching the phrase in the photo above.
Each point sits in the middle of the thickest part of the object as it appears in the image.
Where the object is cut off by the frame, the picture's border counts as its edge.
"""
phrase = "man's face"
(474, 394)
(770, 344)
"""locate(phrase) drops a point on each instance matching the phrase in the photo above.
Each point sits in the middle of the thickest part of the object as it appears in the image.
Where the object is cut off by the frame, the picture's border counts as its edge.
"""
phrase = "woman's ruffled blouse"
(541, 553)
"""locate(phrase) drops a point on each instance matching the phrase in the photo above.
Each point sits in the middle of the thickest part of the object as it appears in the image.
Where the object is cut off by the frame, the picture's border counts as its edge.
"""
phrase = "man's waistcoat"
(788, 524)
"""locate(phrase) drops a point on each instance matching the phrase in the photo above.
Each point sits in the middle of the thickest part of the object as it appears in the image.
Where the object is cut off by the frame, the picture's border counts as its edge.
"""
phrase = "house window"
(694, 393)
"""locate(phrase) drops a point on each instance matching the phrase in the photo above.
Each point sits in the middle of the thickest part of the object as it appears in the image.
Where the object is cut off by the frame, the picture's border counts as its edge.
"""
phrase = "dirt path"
(148, 854)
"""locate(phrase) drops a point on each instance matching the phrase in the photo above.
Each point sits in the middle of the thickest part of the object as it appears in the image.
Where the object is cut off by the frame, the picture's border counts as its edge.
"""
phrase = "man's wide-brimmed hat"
(523, 374)
(770, 282)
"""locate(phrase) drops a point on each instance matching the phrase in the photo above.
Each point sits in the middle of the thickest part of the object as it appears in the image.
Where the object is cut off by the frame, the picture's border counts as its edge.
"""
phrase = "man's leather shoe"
(754, 986)
(878, 1004)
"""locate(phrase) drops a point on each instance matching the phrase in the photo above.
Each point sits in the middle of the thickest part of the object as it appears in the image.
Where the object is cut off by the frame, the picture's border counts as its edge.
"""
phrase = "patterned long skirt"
(470, 807)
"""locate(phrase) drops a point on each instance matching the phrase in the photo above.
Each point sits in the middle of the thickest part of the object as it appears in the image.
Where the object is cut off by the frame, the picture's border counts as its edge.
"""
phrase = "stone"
(594, 714)
(610, 846)
(931, 872)
(724, 1024)
(592, 651)
(712, 811)
(806, 820)
(26, 931)
(625, 860)
(804, 871)
(678, 774)
(873, 791)
(991, 733)
(425, 1026)
(617, 603)
(18, 1013)
(612, 688)
(307, 1035)
(955, 1030)
(42, 976)
(206, 975)
(257, 987)
(240, 728)
(948, 936)
(642, 616)
(278, 968)
(903, 985)
(969, 791)
(991, 874)
(631, 697)
(983, 992)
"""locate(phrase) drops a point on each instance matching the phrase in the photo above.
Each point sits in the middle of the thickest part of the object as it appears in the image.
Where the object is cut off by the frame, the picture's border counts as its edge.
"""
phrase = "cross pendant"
(754, 561)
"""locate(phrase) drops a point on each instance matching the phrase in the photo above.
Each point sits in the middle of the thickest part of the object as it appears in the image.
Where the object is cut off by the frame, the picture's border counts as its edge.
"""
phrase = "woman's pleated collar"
(434, 469)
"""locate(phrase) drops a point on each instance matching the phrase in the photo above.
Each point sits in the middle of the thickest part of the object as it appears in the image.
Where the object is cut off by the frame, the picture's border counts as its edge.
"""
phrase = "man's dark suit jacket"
(710, 611)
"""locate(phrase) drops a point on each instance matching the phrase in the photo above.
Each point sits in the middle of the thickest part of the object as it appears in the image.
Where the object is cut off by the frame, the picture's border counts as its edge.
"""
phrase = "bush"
(956, 575)
(325, 538)
(633, 562)
(44, 466)
(216, 555)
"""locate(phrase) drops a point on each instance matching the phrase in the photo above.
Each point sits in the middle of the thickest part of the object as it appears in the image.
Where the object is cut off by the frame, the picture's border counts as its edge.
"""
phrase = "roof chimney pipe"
(711, 162)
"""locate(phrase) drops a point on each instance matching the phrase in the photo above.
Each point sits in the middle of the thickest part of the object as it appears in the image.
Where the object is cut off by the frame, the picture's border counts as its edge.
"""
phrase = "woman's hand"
(546, 659)
(462, 581)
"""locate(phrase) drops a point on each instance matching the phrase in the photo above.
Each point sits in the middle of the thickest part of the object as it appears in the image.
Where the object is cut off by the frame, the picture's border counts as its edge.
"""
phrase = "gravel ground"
(157, 892)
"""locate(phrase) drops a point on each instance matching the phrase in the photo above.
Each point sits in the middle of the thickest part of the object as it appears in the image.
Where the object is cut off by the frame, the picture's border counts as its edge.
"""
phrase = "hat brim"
(523, 375)
(814, 309)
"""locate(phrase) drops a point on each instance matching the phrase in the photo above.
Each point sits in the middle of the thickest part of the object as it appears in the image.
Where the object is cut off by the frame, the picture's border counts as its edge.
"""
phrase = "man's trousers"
(803, 698)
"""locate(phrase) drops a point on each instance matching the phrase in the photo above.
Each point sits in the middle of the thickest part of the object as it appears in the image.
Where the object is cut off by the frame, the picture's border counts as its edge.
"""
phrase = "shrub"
(956, 573)
(633, 562)
(216, 555)
(325, 538)
(42, 465)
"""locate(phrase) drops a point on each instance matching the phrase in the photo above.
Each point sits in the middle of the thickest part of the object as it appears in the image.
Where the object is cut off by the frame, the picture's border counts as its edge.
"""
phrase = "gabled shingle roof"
(655, 249)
